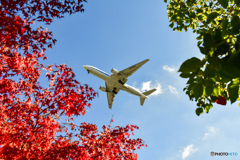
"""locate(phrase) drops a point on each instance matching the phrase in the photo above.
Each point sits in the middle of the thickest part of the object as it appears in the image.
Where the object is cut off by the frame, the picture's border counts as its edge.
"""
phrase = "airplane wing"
(130, 70)
(122, 75)
(111, 91)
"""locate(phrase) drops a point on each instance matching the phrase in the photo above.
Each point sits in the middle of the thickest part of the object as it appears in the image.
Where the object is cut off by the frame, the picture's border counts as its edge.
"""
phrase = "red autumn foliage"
(30, 113)
(221, 100)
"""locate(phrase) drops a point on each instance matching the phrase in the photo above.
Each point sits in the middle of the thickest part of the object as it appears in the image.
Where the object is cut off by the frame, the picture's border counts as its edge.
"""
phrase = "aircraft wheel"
(114, 91)
(120, 82)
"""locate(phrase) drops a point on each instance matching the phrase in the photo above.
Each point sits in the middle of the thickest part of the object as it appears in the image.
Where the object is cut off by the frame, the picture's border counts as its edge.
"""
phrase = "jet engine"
(114, 71)
(103, 89)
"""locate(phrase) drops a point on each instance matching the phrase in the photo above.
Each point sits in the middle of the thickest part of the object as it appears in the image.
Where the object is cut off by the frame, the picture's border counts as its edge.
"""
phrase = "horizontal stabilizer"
(146, 94)
(149, 92)
(142, 101)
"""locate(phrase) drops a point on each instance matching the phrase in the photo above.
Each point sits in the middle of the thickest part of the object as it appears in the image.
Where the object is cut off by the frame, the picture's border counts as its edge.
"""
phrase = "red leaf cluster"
(221, 100)
(30, 113)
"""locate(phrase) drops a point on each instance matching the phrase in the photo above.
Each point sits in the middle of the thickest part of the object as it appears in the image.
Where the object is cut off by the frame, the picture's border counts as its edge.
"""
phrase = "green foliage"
(217, 25)
(224, 3)
(233, 89)
(212, 16)
(190, 65)
(199, 111)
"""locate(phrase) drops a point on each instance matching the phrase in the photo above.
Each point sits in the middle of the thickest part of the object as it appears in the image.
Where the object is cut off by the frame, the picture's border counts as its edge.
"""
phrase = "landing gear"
(88, 71)
(114, 91)
(121, 82)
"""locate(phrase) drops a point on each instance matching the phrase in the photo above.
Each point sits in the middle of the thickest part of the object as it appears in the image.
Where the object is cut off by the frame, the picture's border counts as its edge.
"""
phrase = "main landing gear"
(121, 82)
(114, 91)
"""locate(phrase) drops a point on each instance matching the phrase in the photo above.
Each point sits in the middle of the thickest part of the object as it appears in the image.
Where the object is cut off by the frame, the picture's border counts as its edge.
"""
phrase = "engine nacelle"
(103, 89)
(114, 71)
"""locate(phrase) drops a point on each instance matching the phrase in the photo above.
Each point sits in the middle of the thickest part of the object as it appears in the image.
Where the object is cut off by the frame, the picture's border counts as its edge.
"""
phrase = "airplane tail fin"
(146, 94)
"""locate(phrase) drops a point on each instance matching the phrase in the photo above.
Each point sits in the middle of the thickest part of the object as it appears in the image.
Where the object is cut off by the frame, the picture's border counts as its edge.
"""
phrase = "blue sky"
(117, 34)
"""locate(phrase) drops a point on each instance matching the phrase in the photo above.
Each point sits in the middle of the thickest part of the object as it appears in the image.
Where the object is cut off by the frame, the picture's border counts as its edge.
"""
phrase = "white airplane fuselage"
(107, 78)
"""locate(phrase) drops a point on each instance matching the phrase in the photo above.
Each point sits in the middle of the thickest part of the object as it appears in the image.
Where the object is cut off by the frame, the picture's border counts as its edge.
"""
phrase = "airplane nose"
(85, 67)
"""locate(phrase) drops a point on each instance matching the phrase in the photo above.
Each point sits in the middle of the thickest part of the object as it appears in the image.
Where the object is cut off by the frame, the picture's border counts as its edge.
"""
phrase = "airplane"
(117, 81)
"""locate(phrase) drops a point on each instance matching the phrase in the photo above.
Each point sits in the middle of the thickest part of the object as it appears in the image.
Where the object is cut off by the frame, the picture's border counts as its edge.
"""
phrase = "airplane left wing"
(110, 96)
(111, 91)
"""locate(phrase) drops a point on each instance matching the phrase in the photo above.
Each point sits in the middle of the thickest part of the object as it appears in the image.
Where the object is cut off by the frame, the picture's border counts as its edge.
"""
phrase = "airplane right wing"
(130, 70)
(122, 75)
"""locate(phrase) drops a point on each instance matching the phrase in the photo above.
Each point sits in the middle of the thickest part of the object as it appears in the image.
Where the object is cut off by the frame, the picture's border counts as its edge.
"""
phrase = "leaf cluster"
(31, 115)
(217, 25)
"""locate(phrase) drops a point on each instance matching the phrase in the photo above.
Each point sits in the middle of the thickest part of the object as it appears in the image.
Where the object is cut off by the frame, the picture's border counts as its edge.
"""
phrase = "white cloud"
(134, 84)
(211, 131)
(173, 89)
(169, 69)
(147, 86)
(187, 151)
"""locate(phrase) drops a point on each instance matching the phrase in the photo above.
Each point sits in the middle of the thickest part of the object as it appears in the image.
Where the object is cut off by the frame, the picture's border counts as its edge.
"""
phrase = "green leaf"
(215, 92)
(214, 62)
(223, 3)
(209, 90)
(209, 86)
(236, 24)
(225, 76)
(235, 81)
(190, 65)
(237, 1)
(208, 107)
(213, 99)
(218, 36)
(208, 42)
(224, 24)
(199, 111)
(209, 71)
(230, 70)
(185, 75)
(233, 92)
(212, 16)
(191, 80)
(198, 90)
